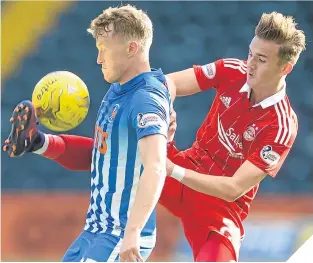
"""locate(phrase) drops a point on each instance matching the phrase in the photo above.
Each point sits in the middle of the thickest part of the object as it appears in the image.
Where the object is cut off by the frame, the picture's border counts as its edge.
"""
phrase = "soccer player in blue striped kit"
(128, 152)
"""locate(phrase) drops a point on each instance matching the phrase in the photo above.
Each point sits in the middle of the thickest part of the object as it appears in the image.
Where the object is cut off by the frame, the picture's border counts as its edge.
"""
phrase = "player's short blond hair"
(283, 31)
(129, 22)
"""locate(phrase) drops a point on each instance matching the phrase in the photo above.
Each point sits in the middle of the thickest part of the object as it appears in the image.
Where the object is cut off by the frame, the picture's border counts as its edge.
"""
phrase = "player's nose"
(251, 66)
(99, 59)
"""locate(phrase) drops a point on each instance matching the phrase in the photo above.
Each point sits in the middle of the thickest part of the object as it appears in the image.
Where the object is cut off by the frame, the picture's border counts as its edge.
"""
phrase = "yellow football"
(61, 100)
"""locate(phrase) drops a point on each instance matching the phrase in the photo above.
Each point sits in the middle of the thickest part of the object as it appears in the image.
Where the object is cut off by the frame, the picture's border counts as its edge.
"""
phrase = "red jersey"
(235, 131)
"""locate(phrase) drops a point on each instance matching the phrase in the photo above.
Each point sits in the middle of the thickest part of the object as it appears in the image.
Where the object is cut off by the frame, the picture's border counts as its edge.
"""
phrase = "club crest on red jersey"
(250, 132)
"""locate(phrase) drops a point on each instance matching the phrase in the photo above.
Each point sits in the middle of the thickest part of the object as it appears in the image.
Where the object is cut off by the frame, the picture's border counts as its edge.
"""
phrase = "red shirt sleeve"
(270, 150)
(213, 74)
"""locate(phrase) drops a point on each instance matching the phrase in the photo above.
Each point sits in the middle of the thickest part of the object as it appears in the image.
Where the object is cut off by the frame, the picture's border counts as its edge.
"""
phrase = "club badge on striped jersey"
(269, 156)
(209, 70)
(114, 112)
(148, 119)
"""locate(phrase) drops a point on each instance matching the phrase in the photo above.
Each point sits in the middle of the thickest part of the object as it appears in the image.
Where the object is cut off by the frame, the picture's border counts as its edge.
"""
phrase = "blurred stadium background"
(44, 206)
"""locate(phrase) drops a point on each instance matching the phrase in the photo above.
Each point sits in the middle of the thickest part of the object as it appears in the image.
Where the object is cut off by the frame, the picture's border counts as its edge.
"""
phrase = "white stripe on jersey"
(115, 251)
(120, 180)
(235, 64)
(288, 121)
(222, 136)
(235, 61)
(279, 123)
(285, 125)
(148, 241)
(135, 182)
(284, 122)
(105, 175)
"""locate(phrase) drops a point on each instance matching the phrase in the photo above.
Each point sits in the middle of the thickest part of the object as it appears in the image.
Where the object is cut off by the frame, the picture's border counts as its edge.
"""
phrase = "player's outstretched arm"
(182, 83)
(72, 152)
(223, 187)
(265, 158)
(153, 151)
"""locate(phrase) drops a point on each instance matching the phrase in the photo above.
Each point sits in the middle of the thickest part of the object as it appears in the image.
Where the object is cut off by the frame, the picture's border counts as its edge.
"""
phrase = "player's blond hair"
(283, 31)
(129, 22)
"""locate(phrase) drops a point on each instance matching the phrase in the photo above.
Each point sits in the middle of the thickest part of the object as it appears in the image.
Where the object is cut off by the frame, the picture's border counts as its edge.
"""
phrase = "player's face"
(263, 64)
(112, 56)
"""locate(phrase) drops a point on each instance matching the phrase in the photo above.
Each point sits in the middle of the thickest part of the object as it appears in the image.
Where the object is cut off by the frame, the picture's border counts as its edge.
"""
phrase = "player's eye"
(262, 60)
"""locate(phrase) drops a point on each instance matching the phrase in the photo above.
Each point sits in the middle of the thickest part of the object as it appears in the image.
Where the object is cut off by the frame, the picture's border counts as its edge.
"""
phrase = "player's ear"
(132, 48)
(287, 68)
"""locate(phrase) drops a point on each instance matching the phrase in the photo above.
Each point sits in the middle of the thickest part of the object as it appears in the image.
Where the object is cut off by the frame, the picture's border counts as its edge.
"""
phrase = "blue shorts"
(99, 247)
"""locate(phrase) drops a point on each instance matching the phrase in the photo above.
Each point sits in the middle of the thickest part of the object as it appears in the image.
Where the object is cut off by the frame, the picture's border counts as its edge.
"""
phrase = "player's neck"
(137, 66)
(261, 93)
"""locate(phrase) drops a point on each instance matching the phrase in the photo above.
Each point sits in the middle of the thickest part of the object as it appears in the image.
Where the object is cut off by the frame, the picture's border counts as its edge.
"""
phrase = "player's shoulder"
(234, 65)
(153, 86)
(284, 122)
(152, 93)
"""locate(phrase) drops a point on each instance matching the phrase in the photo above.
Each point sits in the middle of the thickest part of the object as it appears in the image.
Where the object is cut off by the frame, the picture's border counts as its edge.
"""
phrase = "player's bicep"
(183, 83)
(153, 151)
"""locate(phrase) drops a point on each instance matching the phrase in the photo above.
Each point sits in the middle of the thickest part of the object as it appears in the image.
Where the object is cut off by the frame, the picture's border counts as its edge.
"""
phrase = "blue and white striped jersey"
(127, 113)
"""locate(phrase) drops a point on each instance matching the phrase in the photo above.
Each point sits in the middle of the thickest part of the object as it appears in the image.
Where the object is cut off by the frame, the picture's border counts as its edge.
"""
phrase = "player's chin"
(108, 78)
(251, 81)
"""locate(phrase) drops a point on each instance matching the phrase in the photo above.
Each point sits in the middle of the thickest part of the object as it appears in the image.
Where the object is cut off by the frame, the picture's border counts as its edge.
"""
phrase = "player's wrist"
(178, 173)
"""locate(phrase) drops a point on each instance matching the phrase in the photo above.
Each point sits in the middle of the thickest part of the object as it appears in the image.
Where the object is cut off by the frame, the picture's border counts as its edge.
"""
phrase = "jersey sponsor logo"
(226, 101)
(209, 70)
(230, 140)
(235, 138)
(269, 156)
(148, 119)
(236, 155)
(114, 112)
(249, 133)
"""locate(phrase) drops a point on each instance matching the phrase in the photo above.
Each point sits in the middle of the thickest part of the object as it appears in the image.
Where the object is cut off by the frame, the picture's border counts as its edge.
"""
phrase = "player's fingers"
(137, 255)
(122, 259)
(127, 256)
(173, 116)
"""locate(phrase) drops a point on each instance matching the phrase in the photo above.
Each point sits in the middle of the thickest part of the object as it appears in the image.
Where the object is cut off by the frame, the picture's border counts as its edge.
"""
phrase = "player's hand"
(130, 249)
(173, 126)
(169, 167)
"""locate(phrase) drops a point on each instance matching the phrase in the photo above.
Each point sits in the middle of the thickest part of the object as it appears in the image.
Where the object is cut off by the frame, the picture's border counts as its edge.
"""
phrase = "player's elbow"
(230, 197)
(231, 194)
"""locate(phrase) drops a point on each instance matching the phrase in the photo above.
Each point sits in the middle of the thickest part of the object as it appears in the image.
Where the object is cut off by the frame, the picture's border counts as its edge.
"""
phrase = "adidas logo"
(225, 100)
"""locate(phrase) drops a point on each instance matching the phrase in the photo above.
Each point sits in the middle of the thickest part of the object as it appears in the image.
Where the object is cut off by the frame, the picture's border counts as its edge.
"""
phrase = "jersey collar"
(270, 101)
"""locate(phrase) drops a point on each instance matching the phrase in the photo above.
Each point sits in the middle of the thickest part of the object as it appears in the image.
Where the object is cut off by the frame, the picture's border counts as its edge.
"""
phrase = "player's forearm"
(148, 194)
(70, 151)
(221, 187)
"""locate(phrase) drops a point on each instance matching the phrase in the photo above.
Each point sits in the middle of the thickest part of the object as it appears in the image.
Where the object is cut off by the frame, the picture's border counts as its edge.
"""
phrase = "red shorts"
(209, 235)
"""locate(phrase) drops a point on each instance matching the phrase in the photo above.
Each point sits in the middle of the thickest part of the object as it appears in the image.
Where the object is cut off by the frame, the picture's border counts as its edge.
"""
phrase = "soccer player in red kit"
(246, 135)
